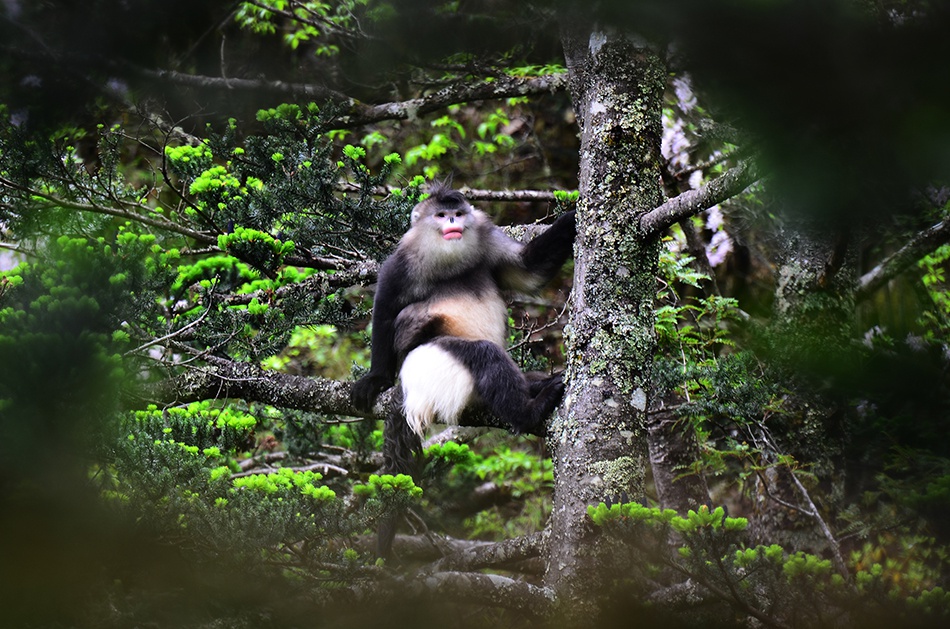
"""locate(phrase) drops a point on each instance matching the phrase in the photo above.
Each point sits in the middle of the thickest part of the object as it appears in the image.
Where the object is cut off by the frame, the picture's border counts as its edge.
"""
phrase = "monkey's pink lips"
(452, 233)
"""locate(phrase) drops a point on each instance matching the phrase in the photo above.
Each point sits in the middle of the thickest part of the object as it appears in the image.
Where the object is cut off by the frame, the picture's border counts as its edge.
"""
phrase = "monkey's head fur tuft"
(441, 195)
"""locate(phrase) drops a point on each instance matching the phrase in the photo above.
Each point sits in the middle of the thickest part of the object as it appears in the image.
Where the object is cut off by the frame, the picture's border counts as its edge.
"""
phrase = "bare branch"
(306, 90)
(498, 87)
(492, 555)
(918, 246)
(422, 548)
(833, 545)
(326, 469)
(508, 196)
(692, 202)
(355, 113)
(473, 194)
(458, 434)
(481, 589)
(492, 589)
(170, 335)
(221, 378)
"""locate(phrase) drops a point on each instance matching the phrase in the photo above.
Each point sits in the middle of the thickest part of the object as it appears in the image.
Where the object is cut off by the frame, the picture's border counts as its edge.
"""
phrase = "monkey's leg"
(498, 382)
(546, 395)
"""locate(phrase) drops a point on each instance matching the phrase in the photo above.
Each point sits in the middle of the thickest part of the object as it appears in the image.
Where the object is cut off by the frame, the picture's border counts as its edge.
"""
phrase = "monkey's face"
(451, 223)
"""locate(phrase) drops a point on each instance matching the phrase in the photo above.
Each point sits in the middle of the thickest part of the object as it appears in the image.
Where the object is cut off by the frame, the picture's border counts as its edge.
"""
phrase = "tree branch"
(474, 194)
(508, 196)
(355, 113)
(481, 589)
(306, 90)
(692, 202)
(918, 246)
(499, 87)
(320, 284)
(491, 555)
(159, 223)
(491, 589)
(221, 378)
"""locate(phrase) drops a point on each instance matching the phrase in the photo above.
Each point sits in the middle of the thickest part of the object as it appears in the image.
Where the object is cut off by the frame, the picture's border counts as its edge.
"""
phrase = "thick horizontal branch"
(220, 378)
(692, 202)
(920, 245)
(475, 194)
(300, 90)
(492, 555)
(318, 284)
(508, 196)
(424, 548)
(460, 587)
(500, 87)
(491, 589)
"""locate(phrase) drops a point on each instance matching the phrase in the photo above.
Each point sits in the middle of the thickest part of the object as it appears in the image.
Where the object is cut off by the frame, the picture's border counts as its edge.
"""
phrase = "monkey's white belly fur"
(434, 384)
(474, 318)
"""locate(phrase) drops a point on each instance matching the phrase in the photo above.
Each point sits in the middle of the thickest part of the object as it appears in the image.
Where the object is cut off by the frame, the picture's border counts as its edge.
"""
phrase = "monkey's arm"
(542, 257)
(386, 306)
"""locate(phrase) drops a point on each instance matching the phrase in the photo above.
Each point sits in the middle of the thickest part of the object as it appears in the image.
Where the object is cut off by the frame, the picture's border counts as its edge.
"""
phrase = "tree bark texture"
(810, 335)
(672, 449)
(598, 437)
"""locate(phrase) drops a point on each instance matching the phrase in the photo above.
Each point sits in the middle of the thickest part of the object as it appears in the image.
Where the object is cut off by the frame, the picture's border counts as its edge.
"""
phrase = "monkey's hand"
(367, 389)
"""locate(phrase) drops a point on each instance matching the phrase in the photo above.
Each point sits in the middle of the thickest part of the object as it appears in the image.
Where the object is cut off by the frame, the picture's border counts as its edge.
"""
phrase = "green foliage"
(537, 70)
(727, 392)
(481, 135)
(453, 454)
(313, 25)
(189, 161)
(177, 469)
(285, 480)
(767, 582)
(695, 521)
(261, 249)
(200, 424)
(936, 320)
(321, 350)
(524, 472)
(387, 486)
(693, 326)
(519, 480)
(61, 320)
(604, 515)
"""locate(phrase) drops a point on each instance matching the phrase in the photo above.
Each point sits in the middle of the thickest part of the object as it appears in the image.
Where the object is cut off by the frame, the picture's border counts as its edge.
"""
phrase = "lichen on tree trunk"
(810, 337)
(598, 437)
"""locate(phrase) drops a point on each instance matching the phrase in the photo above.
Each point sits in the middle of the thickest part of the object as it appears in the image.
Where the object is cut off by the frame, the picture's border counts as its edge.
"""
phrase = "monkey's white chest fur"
(434, 384)
(473, 318)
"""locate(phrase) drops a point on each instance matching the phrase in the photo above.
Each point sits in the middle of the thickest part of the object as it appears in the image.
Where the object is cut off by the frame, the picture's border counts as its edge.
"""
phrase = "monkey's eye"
(440, 214)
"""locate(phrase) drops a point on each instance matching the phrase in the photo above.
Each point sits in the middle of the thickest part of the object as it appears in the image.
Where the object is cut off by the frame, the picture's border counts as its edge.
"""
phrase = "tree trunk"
(673, 448)
(810, 337)
(598, 438)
